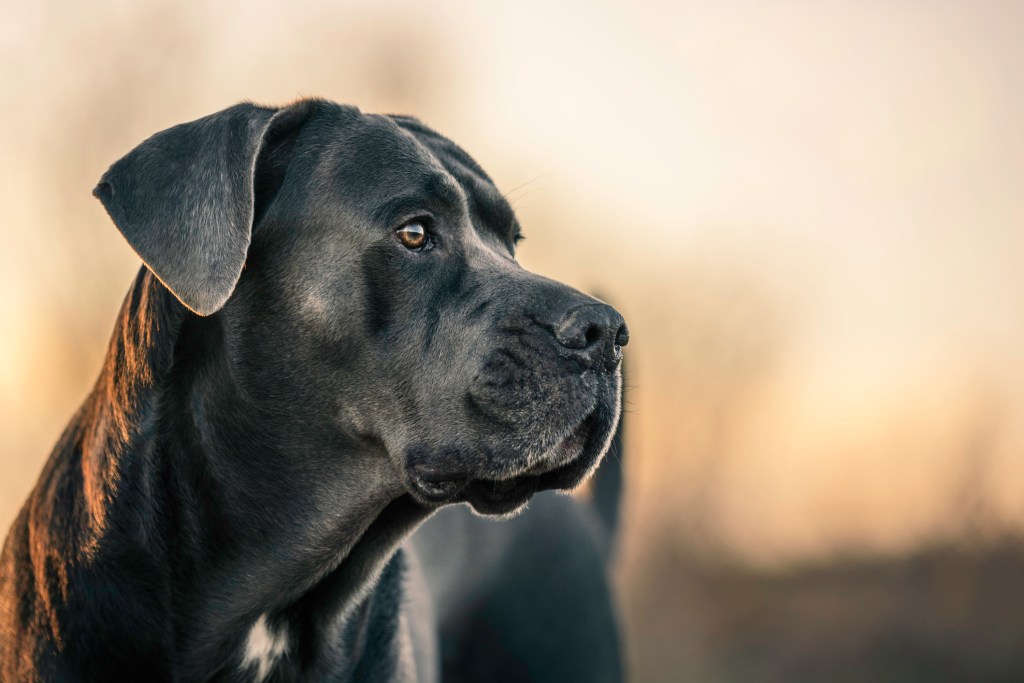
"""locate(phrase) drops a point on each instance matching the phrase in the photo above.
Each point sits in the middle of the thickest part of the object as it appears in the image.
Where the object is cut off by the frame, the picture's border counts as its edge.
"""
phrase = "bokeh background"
(810, 213)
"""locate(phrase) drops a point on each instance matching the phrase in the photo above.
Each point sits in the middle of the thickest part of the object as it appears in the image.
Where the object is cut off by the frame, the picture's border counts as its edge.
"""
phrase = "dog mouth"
(563, 467)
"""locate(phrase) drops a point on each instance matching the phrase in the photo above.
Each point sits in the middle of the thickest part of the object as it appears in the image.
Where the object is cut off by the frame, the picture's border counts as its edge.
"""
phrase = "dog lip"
(498, 497)
(491, 497)
(435, 486)
(561, 468)
(576, 441)
(568, 449)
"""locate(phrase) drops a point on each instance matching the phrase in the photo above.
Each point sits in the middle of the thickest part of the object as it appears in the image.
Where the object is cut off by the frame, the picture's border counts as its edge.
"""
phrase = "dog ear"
(185, 200)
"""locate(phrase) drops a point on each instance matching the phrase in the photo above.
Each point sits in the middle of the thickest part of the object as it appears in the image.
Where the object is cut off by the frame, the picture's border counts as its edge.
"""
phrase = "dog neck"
(253, 544)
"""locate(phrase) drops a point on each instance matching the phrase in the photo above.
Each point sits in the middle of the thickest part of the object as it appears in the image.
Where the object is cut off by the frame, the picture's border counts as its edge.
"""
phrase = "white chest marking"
(263, 647)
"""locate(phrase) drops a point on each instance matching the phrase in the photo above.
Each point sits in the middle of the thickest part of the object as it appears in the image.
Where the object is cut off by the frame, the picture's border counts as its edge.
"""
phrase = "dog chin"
(566, 467)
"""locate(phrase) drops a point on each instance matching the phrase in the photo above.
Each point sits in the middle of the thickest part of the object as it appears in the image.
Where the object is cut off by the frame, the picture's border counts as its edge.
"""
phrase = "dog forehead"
(485, 201)
(370, 160)
(373, 158)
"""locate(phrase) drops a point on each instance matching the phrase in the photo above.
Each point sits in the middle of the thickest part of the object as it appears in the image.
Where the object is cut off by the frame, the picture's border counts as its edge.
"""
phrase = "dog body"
(231, 501)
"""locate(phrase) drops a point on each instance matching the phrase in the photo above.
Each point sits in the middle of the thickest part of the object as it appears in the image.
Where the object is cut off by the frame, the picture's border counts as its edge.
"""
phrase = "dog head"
(363, 271)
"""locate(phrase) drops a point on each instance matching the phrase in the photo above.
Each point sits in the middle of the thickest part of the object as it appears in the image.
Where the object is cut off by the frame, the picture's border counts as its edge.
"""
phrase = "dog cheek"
(381, 289)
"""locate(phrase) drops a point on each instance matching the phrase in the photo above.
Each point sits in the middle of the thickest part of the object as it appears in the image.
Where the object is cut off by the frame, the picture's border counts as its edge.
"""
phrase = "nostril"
(622, 336)
(593, 335)
(596, 329)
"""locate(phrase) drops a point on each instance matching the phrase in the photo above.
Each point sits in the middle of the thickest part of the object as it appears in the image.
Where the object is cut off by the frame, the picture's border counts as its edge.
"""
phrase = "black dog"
(331, 339)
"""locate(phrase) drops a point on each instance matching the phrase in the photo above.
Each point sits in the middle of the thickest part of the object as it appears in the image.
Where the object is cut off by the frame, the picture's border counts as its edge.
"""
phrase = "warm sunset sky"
(811, 213)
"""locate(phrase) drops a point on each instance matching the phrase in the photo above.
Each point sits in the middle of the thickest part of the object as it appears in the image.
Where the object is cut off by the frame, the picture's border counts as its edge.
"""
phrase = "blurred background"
(810, 213)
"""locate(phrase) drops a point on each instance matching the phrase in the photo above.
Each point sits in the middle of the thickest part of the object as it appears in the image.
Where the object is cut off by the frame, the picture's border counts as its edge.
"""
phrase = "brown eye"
(413, 235)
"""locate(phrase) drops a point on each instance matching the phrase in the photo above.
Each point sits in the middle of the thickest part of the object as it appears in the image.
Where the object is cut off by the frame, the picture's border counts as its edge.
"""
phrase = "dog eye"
(413, 235)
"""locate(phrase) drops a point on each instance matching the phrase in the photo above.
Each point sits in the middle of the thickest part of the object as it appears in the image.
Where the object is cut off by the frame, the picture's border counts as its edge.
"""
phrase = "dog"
(330, 340)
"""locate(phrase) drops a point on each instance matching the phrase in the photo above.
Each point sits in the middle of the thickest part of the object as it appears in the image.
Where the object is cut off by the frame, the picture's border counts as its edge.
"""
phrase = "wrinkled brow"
(434, 192)
(491, 209)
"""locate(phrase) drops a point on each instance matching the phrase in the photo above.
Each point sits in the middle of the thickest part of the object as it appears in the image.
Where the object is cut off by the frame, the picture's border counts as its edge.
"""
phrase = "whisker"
(508, 195)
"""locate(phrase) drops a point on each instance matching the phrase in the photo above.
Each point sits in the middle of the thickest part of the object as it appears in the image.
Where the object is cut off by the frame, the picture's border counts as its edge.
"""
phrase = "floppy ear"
(184, 200)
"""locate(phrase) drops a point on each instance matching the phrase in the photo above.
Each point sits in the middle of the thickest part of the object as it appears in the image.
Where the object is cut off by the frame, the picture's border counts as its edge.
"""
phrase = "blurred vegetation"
(947, 611)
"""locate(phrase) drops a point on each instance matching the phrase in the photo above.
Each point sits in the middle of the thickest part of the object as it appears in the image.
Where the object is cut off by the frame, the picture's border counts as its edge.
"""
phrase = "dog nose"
(595, 329)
